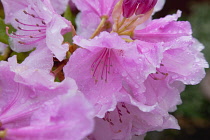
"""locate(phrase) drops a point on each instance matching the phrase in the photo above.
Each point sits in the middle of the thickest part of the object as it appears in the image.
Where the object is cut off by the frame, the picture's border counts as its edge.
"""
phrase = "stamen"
(159, 75)
(30, 36)
(26, 36)
(32, 30)
(119, 114)
(32, 15)
(101, 66)
(21, 42)
(102, 73)
(31, 42)
(123, 105)
(25, 12)
(107, 118)
(97, 62)
(110, 64)
(43, 22)
(37, 25)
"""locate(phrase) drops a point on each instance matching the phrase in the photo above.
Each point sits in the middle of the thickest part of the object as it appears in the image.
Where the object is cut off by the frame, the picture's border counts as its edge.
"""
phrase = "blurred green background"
(194, 114)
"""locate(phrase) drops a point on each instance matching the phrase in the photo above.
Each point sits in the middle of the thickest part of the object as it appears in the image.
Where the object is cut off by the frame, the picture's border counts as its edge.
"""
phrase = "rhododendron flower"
(12, 6)
(24, 101)
(164, 29)
(127, 119)
(59, 5)
(20, 99)
(99, 7)
(140, 77)
(123, 70)
(36, 66)
(67, 117)
(90, 16)
(91, 13)
(37, 23)
(183, 59)
(109, 64)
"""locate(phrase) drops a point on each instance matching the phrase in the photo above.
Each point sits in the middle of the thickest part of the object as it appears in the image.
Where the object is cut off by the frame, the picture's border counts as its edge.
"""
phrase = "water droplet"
(136, 86)
(33, 95)
(23, 100)
(124, 74)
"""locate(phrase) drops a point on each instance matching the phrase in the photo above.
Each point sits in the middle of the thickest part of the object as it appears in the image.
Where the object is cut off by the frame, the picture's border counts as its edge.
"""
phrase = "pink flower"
(164, 29)
(59, 5)
(19, 99)
(11, 7)
(37, 23)
(29, 105)
(67, 117)
(99, 7)
(106, 63)
(9, 10)
(36, 66)
(128, 118)
(91, 12)
(182, 60)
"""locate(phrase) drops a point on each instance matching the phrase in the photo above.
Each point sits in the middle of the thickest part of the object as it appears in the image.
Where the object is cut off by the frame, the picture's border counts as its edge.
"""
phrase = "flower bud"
(137, 6)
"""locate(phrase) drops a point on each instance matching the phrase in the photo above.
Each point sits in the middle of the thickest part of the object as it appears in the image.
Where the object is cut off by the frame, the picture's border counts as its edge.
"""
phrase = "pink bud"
(144, 6)
(129, 7)
(137, 6)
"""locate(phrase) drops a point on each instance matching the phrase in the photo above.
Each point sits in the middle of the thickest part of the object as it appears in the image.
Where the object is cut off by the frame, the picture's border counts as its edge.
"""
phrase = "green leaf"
(69, 16)
(21, 56)
(3, 36)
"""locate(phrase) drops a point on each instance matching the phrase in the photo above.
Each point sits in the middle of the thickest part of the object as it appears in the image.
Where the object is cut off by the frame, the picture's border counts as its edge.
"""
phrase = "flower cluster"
(119, 78)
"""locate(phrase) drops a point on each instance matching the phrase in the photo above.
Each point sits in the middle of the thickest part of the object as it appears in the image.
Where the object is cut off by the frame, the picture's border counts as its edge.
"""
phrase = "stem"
(59, 68)
(124, 28)
(128, 33)
(121, 23)
(72, 48)
(100, 26)
(3, 133)
(128, 40)
(73, 30)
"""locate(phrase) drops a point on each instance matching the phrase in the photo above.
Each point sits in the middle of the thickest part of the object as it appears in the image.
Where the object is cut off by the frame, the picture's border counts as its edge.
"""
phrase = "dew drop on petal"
(32, 95)
(23, 100)
(124, 74)
(136, 86)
